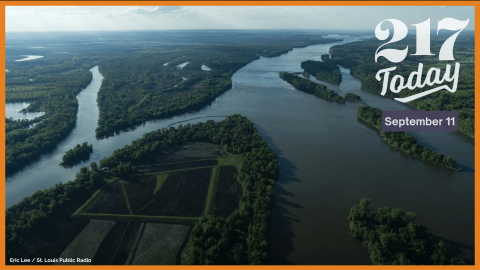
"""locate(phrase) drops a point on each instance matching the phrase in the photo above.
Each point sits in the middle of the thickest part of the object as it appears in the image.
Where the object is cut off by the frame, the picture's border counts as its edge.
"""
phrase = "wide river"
(329, 160)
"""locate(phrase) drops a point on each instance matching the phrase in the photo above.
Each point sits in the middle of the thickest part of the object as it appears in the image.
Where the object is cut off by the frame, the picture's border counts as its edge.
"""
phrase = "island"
(79, 153)
(402, 140)
(394, 238)
(307, 86)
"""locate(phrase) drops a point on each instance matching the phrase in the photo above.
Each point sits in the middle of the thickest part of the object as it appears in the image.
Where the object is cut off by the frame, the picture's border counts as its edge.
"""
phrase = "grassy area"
(210, 206)
(231, 160)
(161, 178)
(127, 202)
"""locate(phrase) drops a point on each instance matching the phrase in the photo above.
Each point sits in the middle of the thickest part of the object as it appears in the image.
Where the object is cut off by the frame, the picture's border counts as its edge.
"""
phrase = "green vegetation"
(41, 215)
(307, 86)
(352, 97)
(327, 70)
(210, 205)
(138, 87)
(403, 140)
(53, 94)
(161, 178)
(243, 240)
(78, 153)
(394, 238)
(359, 58)
(11, 124)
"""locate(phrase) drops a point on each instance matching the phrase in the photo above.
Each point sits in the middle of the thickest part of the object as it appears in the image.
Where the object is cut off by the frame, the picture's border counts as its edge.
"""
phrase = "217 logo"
(422, 48)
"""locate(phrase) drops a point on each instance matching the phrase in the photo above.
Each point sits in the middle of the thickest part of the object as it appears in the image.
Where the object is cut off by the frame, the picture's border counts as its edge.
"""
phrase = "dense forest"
(352, 97)
(53, 94)
(241, 238)
(150, 85)
(307, 86)
(77, 154)
(403, 140)
(359, 58)
(137, 86)
(394, 238)
(327, 70)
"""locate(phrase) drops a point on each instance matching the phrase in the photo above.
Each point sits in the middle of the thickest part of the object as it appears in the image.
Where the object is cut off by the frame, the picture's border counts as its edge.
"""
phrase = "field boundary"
(181, 170)
(212, 190)
(127, 202)
(141, 218)
(160, 164)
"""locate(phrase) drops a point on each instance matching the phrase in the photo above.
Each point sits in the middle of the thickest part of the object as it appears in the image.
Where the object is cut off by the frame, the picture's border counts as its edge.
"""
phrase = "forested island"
(394, 238)
(357, 56)
(307, 86)
(240, 238)
(327, 70)
(403, 140)
(127, 98)
(79, 153)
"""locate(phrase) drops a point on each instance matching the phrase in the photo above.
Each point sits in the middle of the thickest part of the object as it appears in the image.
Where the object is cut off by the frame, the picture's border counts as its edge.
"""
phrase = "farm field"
(229, 192)
(145, 217)
(159, 244)
(86, 243)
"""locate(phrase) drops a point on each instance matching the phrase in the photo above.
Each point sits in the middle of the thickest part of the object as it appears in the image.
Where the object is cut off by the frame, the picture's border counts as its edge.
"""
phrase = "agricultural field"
(85, 245)
(145, 217)
(229, 192)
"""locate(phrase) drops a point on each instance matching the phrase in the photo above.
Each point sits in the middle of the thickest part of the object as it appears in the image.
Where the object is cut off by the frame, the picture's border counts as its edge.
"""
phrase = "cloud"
(143, 11)
(96, 18)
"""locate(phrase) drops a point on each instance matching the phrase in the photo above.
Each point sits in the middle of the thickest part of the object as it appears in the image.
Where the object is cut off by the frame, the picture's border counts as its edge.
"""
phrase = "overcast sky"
(32, 19)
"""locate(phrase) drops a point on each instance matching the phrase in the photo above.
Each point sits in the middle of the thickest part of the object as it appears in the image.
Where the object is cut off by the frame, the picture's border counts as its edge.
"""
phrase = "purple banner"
(430, 121)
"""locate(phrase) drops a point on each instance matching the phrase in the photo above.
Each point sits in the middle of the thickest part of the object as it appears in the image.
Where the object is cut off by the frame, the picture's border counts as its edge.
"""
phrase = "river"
(329, 160)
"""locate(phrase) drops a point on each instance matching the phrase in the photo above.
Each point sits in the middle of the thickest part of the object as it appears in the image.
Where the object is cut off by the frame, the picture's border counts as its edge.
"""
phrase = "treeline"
(403, 140)
(394, 238)
(307, 86)
(12, 124)
(241, 238)
(352, 97)
(357, 56)
(77, 154)
(327, 70)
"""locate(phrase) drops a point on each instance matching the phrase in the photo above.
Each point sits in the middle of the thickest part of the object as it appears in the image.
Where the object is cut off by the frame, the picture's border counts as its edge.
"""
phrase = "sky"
(71, 18)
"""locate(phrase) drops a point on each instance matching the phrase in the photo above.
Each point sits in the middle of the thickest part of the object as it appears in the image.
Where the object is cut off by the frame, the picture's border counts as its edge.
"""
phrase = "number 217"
(423, 38)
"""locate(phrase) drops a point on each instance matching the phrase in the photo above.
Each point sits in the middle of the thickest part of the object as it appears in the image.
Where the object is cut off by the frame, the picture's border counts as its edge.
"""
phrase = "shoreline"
(378, 130)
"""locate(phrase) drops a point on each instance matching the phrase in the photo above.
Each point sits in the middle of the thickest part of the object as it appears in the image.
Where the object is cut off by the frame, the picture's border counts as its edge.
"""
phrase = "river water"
(12, 110)
(329, 160)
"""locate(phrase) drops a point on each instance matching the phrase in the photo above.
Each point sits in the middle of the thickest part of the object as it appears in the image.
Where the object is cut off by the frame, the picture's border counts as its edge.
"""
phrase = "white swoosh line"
(419, 95)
